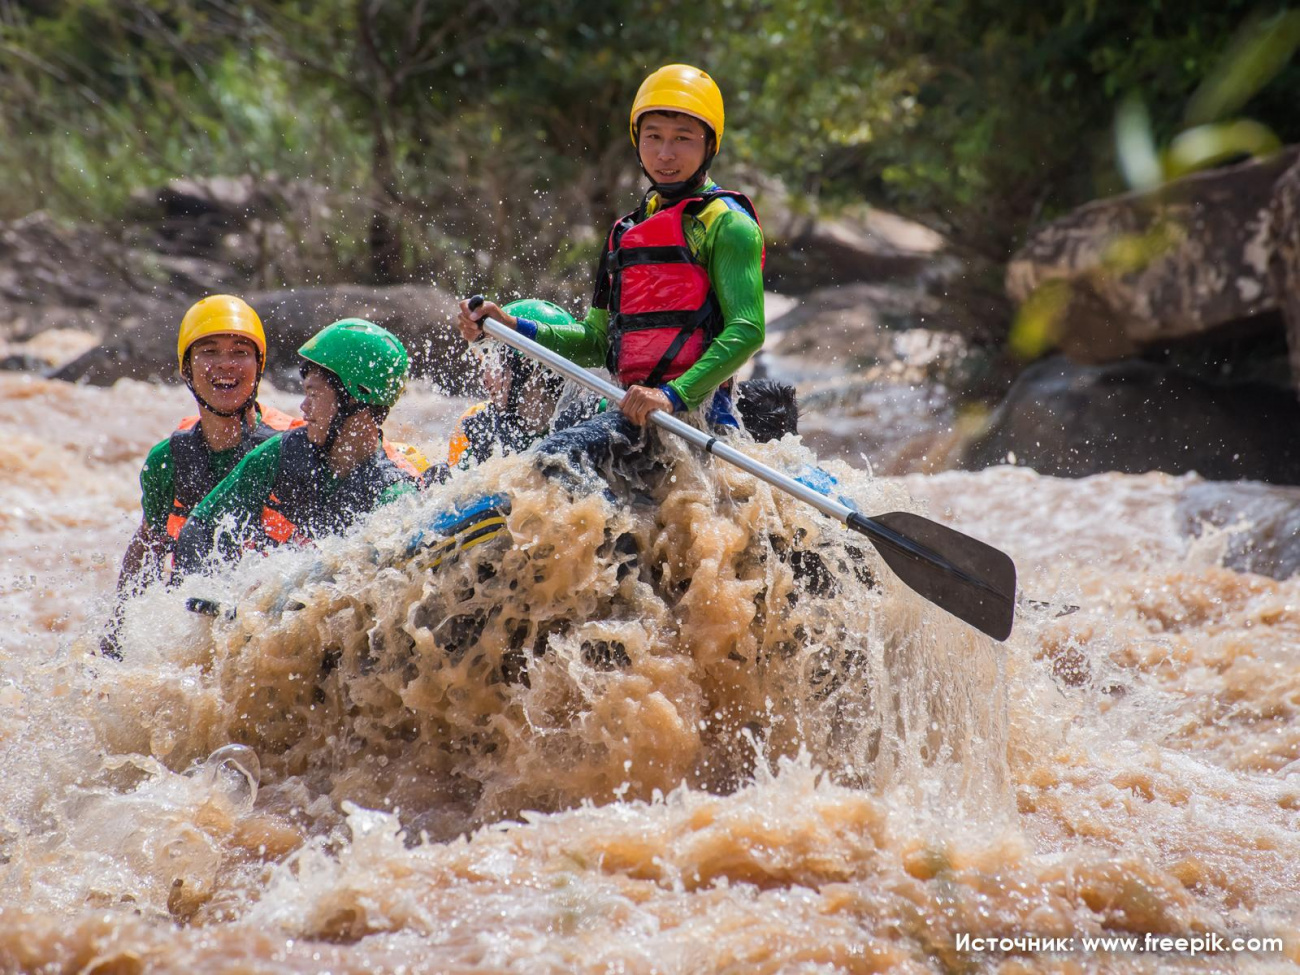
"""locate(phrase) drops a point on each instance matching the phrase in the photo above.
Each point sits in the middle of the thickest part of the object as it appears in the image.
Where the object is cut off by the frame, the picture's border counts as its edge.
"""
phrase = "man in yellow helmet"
(221, 353)
(678, 303)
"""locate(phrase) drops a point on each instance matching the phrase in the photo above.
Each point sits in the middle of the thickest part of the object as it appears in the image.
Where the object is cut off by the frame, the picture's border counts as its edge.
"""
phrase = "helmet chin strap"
(672, 192)
(346, 406)
(240, 411)
(342, 413)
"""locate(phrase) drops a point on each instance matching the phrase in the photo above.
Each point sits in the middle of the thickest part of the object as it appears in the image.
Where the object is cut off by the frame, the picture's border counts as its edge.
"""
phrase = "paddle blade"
(966, 577)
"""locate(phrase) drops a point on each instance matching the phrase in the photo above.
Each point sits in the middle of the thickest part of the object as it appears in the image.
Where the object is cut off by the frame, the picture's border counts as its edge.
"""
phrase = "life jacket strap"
(626, 257)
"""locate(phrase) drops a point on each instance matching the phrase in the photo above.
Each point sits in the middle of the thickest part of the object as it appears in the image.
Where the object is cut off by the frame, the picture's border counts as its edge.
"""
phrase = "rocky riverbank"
(1173, 317)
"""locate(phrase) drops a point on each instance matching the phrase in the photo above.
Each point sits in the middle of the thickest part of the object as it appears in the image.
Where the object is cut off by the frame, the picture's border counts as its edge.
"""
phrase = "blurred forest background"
(458, 139)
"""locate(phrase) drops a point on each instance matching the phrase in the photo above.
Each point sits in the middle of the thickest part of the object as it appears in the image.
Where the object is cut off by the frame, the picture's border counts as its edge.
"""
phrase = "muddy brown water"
(564, 754)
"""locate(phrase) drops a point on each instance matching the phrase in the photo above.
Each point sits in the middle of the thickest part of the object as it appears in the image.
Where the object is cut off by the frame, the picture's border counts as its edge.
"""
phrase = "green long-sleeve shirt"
(729, 244)
(246, 489)
(158, 479)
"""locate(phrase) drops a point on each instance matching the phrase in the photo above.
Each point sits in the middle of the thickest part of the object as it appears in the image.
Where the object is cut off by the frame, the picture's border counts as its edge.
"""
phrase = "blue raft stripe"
(451, 523)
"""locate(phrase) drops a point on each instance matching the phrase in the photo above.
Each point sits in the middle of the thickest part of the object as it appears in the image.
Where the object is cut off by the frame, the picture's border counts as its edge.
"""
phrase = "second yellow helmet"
(680, 88)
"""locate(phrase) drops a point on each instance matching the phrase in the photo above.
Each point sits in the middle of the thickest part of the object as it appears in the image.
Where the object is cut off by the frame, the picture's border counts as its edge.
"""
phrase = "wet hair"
(770, 409)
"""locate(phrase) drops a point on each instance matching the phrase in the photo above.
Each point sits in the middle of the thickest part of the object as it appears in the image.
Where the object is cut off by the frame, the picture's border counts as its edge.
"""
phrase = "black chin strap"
(671, 193)
(347, 408)
(246, 423)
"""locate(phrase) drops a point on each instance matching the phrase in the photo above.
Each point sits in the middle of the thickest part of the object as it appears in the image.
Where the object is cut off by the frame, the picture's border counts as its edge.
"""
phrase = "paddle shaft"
(961, 575)
(878, 533)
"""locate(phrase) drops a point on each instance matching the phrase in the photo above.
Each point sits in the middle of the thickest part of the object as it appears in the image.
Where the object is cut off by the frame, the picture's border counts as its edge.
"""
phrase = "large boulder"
(1261, 523)
(267, 229)
(893, 268)
(1072, 420)
(178, 242)
(1285, 260)
(1134, 272)
(421, 316)
(56, 276)
(847, 328)
(808, 249)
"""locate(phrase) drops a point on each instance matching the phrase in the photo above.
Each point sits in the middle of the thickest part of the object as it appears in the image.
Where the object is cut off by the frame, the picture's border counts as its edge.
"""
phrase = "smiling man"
(221, 351)
(678, 303)
(319, 478)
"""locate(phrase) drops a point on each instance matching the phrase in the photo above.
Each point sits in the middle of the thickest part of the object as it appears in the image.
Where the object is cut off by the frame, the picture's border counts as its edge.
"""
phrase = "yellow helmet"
(680, 88)
(220, 315)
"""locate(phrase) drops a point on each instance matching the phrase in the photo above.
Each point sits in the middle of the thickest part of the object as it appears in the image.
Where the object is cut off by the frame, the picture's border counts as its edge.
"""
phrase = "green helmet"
(523, 368)
(368, 360)
(537, 310)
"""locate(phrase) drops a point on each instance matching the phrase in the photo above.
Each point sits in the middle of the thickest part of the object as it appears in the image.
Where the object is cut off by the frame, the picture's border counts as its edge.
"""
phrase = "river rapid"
(704, 731)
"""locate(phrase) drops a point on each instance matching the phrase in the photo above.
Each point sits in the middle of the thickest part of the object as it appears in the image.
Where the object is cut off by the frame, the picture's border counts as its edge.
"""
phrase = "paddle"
(964, 576)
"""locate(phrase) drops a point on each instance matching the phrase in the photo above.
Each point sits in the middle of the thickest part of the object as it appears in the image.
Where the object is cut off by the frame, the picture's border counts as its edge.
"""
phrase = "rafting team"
(677, 311)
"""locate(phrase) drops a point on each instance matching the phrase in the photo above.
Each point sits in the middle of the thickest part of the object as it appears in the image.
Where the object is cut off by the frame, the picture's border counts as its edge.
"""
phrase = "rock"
(267, 228)
(420, 316)
(895, 428)
(863, 245)
(859, 244)
(47, 350)
(1263, 522)
(896, 400)
(1072, 420)
(21, 362)
(1284, 262)
(54, 276)
(1142, 270)
(854, 325)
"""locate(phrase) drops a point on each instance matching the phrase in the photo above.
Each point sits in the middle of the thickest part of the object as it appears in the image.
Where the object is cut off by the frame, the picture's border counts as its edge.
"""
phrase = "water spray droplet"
(236, 771)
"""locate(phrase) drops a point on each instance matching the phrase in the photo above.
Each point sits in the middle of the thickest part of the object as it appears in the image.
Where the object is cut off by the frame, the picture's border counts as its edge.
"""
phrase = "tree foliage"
(980, 116)
(455, 132)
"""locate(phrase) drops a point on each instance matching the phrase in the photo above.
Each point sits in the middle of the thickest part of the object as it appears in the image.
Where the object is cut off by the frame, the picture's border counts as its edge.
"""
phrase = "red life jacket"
(192, 475)
(663, 311)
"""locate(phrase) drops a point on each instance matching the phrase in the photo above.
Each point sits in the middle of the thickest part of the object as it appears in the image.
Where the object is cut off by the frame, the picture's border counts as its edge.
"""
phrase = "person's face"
(319, 403)
(496, 380)
(672, 148)
(536, 404)
(223, 369)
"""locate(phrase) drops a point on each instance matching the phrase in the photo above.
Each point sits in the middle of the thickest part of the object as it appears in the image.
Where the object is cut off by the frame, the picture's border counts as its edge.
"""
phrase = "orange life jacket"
(192, 475)
(296, 510)
(460, 441)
